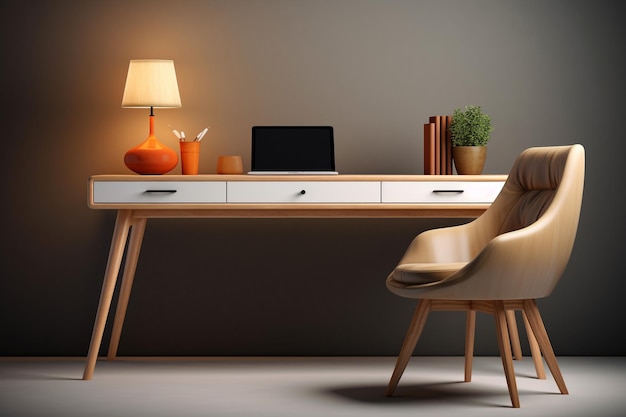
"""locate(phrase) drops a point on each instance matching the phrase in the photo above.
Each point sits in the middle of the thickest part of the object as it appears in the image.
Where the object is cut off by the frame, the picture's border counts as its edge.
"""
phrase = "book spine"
(437, 121)
(429, 149)
(448, 146)
(444, 147)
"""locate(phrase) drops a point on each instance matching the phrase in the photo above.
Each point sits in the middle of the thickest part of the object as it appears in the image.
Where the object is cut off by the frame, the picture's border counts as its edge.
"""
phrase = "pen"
(175, 132)
(201, 135)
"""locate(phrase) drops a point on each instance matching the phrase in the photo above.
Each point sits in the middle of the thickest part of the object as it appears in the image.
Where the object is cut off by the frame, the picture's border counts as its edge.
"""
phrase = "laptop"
(293, 150)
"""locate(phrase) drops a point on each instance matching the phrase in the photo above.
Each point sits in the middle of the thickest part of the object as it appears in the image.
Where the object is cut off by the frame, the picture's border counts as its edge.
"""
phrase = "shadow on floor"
(427, 394)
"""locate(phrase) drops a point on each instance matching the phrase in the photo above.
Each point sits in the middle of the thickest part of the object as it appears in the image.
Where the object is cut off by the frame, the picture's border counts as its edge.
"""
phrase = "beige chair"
(503, 261)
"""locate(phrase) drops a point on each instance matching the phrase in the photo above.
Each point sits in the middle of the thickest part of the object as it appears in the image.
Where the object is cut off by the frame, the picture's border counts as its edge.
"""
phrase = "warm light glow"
(151, 83)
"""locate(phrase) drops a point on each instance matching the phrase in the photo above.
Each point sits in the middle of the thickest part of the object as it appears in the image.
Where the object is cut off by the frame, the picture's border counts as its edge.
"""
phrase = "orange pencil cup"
(189, 157)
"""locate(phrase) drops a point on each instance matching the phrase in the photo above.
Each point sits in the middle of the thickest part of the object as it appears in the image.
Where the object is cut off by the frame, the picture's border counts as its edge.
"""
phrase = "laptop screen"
(293, 148)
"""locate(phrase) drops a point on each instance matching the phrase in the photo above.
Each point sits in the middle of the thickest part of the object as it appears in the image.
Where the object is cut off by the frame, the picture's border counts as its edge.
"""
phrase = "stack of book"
(437, 146)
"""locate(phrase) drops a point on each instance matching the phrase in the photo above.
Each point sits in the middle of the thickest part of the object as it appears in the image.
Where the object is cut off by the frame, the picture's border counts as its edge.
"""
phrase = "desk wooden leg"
(116, 252)
(130, 266)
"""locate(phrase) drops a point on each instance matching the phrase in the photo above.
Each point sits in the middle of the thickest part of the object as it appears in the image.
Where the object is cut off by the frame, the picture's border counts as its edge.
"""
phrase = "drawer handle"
(303, 192)
(160, 191)
(448, 191)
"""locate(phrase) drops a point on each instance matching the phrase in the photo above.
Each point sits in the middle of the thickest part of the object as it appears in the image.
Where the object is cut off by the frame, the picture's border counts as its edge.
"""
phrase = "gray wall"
(547, 72)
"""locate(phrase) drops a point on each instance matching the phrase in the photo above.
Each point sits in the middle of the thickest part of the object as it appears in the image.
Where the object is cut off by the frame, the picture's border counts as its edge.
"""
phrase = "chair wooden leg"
(408, 346)
(505, 351)
(470, 331)
(539, 330)
(534, 349)
(514, 334)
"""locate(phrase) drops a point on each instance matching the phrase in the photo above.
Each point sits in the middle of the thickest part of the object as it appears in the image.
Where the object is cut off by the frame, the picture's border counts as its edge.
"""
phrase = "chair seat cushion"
(423, 273)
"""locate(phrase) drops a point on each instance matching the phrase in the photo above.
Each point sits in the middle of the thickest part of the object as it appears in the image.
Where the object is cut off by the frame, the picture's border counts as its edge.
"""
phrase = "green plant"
(470, 127)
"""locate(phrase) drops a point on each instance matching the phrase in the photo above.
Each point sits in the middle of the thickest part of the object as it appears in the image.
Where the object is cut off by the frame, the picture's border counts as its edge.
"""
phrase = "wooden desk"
(138, 198)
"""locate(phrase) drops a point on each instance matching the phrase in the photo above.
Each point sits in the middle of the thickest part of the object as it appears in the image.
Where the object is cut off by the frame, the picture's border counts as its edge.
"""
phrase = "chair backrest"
(543, 194)
(541, 179)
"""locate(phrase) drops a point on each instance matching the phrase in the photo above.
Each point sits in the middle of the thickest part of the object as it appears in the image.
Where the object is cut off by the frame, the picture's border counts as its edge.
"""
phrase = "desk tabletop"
(340, 177)
(279, 203)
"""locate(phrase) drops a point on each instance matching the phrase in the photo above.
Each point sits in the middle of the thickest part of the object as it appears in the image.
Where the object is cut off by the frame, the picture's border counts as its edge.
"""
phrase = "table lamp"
(151, 83)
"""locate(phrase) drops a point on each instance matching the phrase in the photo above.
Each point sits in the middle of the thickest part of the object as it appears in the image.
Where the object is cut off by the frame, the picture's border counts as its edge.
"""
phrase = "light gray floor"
(326, 387)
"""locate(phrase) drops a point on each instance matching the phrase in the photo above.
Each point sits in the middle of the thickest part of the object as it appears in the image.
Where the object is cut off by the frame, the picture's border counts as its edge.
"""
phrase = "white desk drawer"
(159, 192)
(440, 192)
(304, 192)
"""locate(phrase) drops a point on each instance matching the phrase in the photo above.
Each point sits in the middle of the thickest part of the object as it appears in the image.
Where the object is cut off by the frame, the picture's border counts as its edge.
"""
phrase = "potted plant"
(470, 131)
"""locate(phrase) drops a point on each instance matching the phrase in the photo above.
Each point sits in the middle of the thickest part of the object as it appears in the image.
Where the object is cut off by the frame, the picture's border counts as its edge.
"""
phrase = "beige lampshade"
(151, 83)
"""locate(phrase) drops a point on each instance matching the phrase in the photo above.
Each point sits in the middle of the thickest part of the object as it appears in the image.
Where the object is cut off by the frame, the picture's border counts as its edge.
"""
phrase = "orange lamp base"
(151, 157)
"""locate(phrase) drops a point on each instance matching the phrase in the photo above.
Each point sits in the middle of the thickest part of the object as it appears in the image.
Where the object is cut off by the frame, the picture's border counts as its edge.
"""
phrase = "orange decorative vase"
(151, 157)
